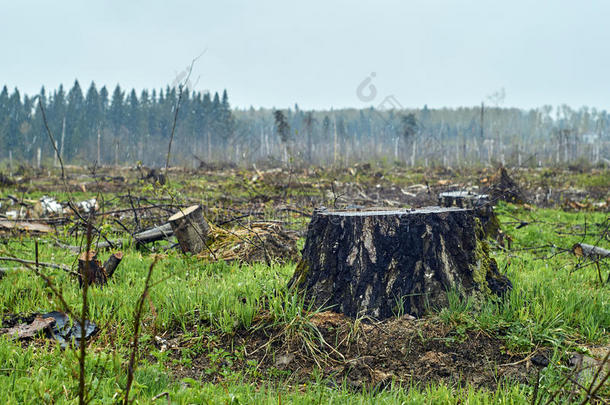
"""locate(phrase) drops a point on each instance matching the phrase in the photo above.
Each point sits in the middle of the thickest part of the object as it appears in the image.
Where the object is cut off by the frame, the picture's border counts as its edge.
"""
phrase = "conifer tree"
(94, 114)
(75, 122)
(116, 111)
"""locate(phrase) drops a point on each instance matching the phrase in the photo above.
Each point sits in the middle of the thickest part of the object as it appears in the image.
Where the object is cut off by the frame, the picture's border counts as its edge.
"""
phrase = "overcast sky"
(317, 53)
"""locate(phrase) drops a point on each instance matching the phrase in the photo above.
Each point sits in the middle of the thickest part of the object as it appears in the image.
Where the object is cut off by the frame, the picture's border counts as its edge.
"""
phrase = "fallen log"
(384, 263)
(590, 251)
(151, 235)
(190, 228)
(25, 226)
(55, 325)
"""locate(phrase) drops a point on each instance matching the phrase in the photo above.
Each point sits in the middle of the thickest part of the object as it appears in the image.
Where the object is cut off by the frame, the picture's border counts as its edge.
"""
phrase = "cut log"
(480, 203)
(590, 251)
(25, 226)
(154, 234)
(90, 269)
(191, 229)
(151, 235)
(384, 263)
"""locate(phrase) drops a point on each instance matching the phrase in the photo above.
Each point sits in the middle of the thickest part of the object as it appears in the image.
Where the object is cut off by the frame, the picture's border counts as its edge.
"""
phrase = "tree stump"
(93, 271)
(462, 199)
(480, 203)
(90, 269)
(384, 263)
(191, 229)
(112, 263)
(502, 187)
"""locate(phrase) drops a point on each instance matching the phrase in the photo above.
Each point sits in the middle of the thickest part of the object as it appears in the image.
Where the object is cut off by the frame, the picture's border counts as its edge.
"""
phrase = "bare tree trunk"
(413, 152)
(99, 147)
(335, 142)
(482, 134)
(116, 154)
(63, 136)
(209, 154)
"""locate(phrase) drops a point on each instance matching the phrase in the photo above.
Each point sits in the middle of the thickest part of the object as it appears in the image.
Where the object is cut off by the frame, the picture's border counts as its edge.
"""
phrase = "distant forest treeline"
(124, 127)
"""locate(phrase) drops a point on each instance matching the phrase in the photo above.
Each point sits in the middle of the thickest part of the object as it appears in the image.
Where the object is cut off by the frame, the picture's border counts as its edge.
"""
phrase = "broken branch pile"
(259, 242)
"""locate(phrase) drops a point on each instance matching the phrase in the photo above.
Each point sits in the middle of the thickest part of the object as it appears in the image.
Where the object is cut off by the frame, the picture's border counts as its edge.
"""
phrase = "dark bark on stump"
(191, 229)
(383, 263)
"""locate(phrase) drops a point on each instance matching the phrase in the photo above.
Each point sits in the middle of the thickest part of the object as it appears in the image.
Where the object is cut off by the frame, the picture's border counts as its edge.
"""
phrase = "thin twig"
(41, 264)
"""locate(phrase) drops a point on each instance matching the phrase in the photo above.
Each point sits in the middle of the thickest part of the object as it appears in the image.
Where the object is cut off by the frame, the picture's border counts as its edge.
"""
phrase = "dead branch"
(31, 262)
(180, 93)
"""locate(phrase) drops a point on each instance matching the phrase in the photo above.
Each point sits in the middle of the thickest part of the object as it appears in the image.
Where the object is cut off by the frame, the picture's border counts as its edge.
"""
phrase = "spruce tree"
(135, 120)
(15, 110)
(76, 131)
(4, 122)
(116, 111)
(104, 101)
(93, 111)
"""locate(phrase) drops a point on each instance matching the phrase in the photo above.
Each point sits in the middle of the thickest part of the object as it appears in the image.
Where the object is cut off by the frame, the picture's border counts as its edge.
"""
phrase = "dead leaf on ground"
(28, 330)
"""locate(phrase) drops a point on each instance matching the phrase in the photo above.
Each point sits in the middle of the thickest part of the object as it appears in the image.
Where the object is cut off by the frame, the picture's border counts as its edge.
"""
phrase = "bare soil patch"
(365, 354)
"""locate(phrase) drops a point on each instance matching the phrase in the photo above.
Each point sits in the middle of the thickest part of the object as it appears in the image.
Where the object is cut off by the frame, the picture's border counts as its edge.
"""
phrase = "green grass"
(552, 305)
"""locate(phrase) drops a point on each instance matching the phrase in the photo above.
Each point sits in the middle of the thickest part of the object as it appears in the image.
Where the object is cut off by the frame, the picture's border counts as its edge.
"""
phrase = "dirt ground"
(366, 354)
